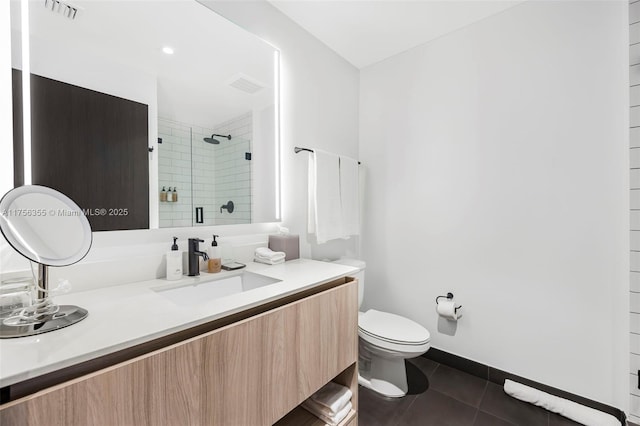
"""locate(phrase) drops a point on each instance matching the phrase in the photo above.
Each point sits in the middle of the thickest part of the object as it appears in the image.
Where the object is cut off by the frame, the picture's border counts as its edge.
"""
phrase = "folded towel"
(321, 409)
(330, 420)
(332, 396)
(267, 261)
(265, 253)
(349, 196)
(325, 212)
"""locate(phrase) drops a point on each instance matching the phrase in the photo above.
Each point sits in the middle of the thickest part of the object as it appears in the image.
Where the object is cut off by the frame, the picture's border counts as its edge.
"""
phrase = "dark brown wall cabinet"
(92, 147)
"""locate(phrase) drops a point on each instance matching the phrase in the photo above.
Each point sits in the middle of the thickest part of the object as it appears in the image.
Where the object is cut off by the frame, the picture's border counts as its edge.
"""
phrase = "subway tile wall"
(206, 175)
(203, 174)
(174, 171)
(634, 141)
(233, 170)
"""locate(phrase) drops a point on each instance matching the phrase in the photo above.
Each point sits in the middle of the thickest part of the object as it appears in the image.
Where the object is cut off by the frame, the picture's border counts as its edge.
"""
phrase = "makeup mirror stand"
(49, 240)
(46, 317)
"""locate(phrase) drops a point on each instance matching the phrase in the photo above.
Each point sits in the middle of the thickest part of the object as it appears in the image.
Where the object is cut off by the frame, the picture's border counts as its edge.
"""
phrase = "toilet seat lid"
(392, 328)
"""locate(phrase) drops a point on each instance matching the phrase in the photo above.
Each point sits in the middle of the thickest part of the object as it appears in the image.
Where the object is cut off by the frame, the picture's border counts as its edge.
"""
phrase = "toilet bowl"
(385, 341)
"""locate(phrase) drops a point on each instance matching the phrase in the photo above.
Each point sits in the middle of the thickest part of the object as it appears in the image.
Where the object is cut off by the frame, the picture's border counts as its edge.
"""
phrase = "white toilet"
(386, 340)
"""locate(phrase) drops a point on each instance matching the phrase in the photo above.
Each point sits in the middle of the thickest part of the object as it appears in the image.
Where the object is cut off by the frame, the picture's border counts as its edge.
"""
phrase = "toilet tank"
(361, 265)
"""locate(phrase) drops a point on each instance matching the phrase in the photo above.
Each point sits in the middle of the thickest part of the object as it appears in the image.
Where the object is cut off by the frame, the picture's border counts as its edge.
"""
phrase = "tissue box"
(289, 244)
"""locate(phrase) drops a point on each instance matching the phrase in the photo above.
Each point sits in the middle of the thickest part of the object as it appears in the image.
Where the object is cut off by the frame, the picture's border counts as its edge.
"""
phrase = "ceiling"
(368, 31)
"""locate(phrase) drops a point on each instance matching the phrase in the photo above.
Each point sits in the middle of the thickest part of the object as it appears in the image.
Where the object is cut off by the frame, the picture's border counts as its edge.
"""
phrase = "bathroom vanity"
(151, 357)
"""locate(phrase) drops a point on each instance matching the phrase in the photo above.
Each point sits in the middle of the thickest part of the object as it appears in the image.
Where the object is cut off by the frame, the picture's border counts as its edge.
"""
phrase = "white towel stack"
(331, 403)
(268, 256)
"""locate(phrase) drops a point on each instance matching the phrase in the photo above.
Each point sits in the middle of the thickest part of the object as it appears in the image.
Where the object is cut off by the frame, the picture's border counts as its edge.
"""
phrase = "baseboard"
(498, 376)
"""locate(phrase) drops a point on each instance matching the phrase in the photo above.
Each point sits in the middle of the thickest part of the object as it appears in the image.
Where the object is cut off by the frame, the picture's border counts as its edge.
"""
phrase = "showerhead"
(214, 141)
(211, 140)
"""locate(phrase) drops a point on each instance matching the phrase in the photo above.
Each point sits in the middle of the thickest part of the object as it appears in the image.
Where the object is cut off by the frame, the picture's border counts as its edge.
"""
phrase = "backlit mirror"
(127, 98)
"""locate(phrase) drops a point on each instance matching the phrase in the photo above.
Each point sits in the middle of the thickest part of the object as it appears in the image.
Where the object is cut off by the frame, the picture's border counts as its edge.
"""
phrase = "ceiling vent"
(245, 83)
(62, 8)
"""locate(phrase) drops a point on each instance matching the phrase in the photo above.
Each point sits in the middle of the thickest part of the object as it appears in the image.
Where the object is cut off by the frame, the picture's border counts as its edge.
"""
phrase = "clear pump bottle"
(174, 262)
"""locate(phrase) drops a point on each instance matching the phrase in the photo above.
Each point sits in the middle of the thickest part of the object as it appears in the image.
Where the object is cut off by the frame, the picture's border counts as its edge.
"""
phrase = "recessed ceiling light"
(168, 50)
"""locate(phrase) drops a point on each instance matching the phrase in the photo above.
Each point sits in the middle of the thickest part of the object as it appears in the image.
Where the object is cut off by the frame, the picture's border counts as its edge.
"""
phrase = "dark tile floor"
(443, 396)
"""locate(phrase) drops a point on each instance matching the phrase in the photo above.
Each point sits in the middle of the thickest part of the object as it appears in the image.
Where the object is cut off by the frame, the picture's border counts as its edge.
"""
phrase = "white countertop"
(126, 315)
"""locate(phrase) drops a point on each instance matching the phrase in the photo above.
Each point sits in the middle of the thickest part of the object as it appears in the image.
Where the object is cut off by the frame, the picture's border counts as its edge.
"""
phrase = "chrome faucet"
(194, 252)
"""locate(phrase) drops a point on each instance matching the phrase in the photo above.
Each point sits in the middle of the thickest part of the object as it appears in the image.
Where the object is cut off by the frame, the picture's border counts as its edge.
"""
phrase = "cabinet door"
(249, 373)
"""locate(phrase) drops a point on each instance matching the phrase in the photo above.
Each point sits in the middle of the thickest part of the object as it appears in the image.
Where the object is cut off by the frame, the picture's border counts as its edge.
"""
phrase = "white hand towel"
(267, 261)
(349, 196)
(330, 420)
(325, 213)
(268, 254)
(333, 396)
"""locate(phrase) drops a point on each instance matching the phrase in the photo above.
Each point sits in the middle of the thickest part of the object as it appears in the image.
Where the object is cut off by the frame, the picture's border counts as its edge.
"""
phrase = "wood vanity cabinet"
(252, 372)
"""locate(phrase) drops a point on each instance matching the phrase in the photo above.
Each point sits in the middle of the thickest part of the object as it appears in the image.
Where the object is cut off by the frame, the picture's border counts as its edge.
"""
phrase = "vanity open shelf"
(254, 370)
(301, 417)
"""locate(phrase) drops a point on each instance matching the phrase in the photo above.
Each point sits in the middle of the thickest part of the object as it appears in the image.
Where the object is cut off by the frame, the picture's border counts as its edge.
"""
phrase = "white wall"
(497, 160)
(319, 106)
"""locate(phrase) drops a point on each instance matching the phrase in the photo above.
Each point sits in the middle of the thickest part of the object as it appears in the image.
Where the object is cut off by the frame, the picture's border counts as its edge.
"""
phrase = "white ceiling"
(367, 31)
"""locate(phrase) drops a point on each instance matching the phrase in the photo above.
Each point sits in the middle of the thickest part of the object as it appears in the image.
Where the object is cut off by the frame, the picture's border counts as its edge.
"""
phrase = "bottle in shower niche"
(170, 195)
(163, 195)
(174, 262)
(214, 264)
(175, 194)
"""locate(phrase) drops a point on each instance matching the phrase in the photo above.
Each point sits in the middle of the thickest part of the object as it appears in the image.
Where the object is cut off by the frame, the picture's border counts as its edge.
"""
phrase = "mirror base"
(67, 315)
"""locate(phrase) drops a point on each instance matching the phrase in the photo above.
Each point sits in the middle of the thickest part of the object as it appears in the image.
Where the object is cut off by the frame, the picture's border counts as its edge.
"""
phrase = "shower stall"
(209, 169)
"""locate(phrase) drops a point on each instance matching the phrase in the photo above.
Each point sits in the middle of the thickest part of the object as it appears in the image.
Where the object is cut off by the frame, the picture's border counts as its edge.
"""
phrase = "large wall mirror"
(154, 113)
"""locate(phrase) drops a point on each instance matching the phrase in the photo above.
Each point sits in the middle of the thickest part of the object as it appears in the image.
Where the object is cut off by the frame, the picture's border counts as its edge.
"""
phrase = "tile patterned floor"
(443, 396)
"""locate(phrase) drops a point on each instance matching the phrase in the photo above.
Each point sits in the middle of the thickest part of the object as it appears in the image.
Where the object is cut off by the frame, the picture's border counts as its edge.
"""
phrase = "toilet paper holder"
(449, 296)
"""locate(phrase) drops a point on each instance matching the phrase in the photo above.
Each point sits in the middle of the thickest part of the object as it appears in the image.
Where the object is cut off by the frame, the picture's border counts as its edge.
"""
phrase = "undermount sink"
(207, 288)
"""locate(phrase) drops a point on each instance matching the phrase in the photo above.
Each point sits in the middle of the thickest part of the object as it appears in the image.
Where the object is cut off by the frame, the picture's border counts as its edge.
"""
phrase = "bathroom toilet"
(385, 341)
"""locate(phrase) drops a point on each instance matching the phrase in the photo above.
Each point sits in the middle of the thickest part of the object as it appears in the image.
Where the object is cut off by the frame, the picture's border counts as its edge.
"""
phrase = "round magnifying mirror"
(47, 227)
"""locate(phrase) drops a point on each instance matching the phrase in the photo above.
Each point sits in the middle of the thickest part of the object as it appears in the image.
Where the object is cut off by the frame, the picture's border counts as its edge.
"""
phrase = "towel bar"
(297, 149)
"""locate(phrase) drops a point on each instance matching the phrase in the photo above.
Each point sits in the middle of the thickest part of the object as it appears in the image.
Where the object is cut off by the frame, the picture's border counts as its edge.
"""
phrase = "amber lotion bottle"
(215, 258)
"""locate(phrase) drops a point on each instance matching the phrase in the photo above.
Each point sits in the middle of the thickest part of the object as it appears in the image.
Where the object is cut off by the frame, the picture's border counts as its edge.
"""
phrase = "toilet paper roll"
(447, 309)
